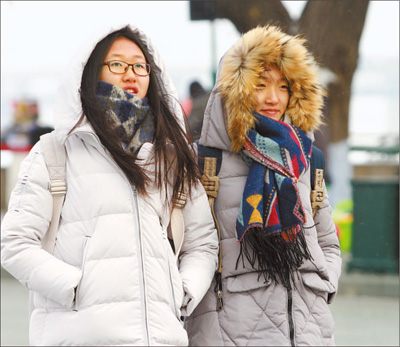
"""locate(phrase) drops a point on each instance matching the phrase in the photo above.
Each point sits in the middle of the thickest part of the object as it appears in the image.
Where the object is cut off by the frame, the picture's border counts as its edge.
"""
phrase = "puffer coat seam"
(103, 303)
(109, 258)
(310, 315)
(221, 329)
(264, 313)
(224, 209)
(91, 218)
(224, 333)
(26, 177)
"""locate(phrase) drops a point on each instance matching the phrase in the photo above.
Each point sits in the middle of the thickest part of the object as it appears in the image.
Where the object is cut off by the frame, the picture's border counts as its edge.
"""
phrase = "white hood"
(68, 107)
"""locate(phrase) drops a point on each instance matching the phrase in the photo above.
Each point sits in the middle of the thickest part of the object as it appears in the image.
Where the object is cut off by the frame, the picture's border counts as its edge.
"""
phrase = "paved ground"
(366, 320)
(14, 313)
(361, 320)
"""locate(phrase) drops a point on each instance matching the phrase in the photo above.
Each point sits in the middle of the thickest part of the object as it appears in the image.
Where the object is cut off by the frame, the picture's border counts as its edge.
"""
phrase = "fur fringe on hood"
(240, 71)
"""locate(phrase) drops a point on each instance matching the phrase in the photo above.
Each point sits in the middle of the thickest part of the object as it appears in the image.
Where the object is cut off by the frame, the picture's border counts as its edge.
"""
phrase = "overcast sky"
(45, 34)
(35, 34)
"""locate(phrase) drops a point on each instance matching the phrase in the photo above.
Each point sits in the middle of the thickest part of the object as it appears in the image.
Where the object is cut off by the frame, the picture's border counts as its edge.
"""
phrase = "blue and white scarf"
(132, 118)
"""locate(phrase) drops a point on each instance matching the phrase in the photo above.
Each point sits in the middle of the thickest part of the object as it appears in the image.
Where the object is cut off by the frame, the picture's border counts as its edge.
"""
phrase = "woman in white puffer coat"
(113, 279)
(280, 266)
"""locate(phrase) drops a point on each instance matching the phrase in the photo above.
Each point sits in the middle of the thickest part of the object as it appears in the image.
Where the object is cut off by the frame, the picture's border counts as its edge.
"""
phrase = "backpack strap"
(209, 160)
(55, 158)
(204, 152)
(176, 227)
(317, 177)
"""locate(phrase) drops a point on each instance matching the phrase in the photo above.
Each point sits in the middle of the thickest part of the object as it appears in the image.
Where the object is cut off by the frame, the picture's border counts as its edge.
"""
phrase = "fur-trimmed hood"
(238, 76)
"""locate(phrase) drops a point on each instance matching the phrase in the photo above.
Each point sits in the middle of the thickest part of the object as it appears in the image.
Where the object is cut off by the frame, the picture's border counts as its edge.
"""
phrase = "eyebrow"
(122, 56)
(283, 79)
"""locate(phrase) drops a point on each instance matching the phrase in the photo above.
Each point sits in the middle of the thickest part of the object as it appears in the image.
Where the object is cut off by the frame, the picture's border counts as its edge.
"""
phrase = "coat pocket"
(176, 287)
(319, 286)
(175, 280)
(84, 256)
(246, 282)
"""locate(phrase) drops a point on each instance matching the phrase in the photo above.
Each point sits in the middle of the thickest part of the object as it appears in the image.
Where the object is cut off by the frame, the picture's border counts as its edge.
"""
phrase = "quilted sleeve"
(199, 253)
(329, 242)
(23, 227)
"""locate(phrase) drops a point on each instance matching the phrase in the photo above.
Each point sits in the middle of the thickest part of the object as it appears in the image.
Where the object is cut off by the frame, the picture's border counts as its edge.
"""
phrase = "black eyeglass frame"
(148, 67)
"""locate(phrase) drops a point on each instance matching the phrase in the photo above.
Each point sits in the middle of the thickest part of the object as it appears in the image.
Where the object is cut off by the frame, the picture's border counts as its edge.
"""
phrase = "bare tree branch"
(246, 15)
(333, 29)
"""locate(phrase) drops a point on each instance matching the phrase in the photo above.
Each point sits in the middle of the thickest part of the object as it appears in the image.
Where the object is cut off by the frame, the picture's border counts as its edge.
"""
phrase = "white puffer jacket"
(113, 279)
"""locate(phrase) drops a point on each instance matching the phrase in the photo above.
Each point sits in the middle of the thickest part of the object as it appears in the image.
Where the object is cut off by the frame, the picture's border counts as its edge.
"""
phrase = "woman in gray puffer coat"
(280, 266)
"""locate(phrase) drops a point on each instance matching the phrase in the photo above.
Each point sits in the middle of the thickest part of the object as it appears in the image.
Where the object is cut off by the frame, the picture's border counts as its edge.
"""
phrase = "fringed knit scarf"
(131, 116)
(269, 226)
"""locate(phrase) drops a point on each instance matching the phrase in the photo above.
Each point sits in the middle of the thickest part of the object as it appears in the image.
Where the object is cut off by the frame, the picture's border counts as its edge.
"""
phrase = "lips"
(271, 111)
(131, 89)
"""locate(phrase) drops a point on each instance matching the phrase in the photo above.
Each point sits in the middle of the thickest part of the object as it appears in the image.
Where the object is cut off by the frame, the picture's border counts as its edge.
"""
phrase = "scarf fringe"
(276, 258)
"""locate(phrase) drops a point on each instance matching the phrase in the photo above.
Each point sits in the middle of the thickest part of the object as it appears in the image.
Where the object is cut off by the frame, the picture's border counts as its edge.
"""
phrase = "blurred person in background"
(113, 278)
(199, 97)
(25, 130)
(280, 266)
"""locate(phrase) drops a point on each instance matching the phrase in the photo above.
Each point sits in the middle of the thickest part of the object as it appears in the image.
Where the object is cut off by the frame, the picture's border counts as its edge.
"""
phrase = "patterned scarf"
(269, 225)
(131, 116)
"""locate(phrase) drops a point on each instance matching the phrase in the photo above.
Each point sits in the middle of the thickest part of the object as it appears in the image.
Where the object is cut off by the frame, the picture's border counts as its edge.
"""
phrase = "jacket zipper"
(172, 285)
(290, 317)
(136, 205)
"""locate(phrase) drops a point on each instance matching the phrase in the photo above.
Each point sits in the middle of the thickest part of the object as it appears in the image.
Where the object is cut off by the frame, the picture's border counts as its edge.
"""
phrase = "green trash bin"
(375, 246)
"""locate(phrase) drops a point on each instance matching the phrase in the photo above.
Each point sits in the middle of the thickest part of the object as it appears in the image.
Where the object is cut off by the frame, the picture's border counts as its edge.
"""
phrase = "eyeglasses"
(120, 67)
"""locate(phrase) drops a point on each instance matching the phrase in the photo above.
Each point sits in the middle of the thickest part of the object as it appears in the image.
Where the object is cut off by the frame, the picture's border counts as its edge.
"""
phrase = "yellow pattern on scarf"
(254, 200)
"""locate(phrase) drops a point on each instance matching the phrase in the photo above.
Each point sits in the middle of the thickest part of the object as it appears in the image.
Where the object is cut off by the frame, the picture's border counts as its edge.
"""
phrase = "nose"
(129, 75)
(271, 96)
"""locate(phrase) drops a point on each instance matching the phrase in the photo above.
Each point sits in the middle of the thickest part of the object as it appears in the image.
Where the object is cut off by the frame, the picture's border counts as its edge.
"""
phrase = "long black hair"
(167, 128)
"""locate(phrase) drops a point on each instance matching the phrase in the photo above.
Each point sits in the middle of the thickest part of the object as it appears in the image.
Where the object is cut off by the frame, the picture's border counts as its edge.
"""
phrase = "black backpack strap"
(317, 176)
(209, 160)
(210, 152)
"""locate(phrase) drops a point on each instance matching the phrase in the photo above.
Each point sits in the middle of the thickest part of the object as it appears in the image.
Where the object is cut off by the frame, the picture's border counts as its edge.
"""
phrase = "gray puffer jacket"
(256, 313)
